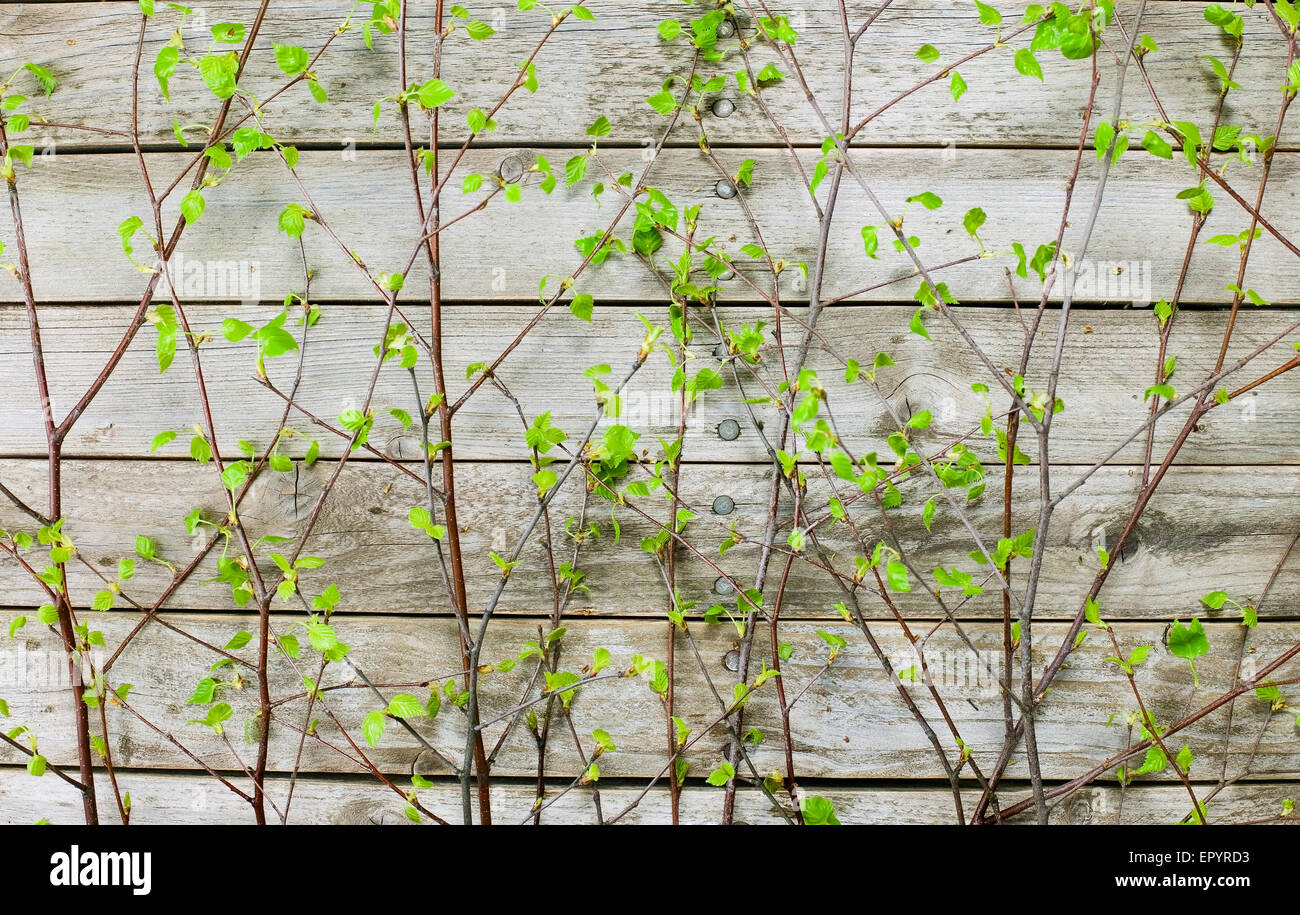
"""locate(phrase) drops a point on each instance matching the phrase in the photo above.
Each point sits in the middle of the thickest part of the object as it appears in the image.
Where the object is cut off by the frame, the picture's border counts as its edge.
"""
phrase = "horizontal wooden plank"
(1109, 363)
(620, 60)
(161, 798)
(850, 723)
(1198, 535)
(237, 252)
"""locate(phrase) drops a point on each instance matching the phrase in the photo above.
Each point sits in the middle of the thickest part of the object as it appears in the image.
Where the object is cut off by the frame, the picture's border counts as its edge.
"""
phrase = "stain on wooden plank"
(850, 724)
(620, 59)
(1110, 356)
(164, 798)
(364, 536)
(503, 252)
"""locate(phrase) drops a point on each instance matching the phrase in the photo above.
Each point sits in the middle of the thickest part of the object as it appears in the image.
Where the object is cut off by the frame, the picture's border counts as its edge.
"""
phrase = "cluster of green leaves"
(1155, 760)
(1059, 28)
(17, 122)
(610, 459)
(664, 233)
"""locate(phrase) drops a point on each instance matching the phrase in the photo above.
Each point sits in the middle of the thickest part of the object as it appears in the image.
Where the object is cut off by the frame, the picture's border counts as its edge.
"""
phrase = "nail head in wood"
(511, 169)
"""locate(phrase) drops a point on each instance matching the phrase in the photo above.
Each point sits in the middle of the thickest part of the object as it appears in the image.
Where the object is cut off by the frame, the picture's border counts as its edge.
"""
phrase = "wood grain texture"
(1109, 363)
(162, 798)
(850, 723)
(1222, 520)
(1198, 535)
(503, 252)
(619, 60)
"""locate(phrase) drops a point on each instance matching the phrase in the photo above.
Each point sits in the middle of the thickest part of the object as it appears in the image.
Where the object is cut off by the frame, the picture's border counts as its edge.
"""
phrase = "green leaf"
(721, 775)
(218, 72)
(896, 576)
(1191, 137)
(43, 76)
(926, 199)
(927, 53)
(233, 330)
(817, 811)
(1027, 65)
(870, 241)
(575, 169)
(292, 60)
(988, 15)
(218, 155)
(957, 86)
(204, 692)
(162, 439)
(1102, 139)
(144, 547)
(435, 93)
(581, 307)
(192, 207)
(1230, 22)
(235, 474)
(927, 513)
(663, 102)
(1215, 599)
(405, 706)
(1188, 642)
(1155, 761)
(293, 220)
(836, 642)
(372, 728)
(164, 66)
(219, 713)
(228, 32)
(917, 326)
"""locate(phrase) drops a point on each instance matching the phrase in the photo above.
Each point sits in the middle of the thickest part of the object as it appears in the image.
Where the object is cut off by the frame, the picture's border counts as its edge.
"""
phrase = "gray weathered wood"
(163, 798)
(1221, 523)
(850, 723)
(1110, 361)
(619, 59)
(1199, 535)
(503, 252)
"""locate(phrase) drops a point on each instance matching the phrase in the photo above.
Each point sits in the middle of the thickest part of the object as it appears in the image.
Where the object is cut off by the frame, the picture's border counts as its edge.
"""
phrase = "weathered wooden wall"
(1222, 519)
